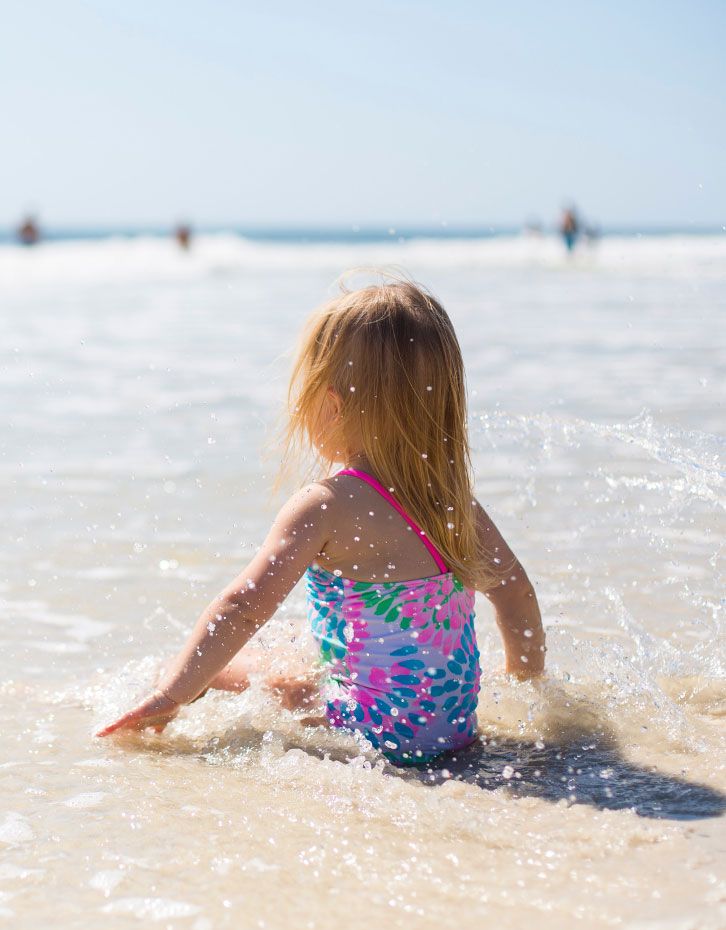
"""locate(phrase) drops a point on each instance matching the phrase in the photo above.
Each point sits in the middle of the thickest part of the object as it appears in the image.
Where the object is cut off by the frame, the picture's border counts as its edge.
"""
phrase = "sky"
(144, 112)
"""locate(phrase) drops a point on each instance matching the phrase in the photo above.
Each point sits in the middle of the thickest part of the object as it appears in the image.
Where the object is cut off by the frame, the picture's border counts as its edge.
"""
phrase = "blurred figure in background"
(183, 235)
(28, 232)
(570, 227)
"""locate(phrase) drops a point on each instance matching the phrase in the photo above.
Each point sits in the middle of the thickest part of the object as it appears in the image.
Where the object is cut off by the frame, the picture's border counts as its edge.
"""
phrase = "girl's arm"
(297, 536)
(515, 603)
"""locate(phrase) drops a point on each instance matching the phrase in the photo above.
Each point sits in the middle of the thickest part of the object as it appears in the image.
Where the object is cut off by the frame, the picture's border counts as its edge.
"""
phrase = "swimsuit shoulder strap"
(388, 497)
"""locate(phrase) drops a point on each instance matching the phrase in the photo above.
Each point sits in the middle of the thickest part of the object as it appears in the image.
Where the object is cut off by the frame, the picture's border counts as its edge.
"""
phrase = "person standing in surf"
(570, 228)
(389, 537)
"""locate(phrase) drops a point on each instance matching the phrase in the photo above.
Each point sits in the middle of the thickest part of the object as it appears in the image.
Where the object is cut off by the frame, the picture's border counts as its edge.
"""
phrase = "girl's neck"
(357, 460)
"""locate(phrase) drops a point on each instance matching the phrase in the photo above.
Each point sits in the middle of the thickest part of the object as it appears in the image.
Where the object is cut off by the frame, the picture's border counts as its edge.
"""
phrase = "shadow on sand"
(584, 769)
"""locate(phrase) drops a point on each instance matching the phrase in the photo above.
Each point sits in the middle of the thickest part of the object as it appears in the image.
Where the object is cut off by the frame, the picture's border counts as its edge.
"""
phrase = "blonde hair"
(390, 352)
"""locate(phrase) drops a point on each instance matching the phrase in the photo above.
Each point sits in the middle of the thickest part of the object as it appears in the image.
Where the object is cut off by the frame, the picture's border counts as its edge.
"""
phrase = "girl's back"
(394, 626)
(373, 541)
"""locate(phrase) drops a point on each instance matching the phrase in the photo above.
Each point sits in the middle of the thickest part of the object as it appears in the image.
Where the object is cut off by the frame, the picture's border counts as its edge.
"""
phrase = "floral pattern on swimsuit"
(402, 658)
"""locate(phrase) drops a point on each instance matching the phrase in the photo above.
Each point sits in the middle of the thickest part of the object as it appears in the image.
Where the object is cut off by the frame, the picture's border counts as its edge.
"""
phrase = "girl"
(392, 546)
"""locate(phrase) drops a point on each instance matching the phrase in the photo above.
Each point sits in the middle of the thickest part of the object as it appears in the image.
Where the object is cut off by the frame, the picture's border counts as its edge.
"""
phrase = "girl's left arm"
(515, 603)
(297, 536)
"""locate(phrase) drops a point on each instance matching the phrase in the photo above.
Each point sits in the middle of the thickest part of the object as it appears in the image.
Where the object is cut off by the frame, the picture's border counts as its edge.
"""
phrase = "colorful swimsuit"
(402, 655)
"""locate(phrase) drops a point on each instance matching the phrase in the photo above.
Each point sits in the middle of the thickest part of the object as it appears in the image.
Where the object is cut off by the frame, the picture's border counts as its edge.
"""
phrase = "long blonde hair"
(391, 354)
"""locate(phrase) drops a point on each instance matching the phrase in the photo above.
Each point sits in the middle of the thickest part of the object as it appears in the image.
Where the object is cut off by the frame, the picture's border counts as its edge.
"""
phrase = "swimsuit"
(401, 656)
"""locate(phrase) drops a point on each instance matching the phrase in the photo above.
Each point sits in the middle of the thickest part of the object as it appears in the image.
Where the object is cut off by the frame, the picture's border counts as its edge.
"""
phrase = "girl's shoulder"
(339, 503)
(338, 495)
(320, 502)
(346, 491)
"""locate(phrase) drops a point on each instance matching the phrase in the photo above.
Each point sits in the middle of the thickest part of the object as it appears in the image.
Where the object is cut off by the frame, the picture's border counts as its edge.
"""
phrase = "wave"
(150, 258)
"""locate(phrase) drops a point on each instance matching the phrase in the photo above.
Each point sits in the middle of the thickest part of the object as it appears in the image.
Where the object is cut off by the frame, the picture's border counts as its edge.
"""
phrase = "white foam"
(151, 908)
(106, 880)
(85, 800)
(15, 829)
(152, 259)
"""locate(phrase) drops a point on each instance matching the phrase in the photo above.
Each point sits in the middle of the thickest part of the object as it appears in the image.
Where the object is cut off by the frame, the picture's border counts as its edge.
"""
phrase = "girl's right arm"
(515, 603)
(296, 537)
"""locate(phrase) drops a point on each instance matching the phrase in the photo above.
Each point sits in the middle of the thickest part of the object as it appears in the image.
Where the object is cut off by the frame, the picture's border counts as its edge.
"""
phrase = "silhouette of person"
(570, 227)
(28, 232)
(183, 235)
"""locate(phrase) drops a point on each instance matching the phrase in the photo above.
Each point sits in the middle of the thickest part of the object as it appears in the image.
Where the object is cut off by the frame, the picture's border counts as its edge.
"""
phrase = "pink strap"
(377, 486)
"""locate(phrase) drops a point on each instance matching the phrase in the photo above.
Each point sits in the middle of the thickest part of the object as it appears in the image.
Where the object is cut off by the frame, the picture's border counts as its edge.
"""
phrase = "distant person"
(28, 232)
(570, 227)
(533, 227)
(183, 236)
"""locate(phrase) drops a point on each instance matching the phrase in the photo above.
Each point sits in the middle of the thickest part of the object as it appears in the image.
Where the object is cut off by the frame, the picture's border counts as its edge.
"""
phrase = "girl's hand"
(156, 711)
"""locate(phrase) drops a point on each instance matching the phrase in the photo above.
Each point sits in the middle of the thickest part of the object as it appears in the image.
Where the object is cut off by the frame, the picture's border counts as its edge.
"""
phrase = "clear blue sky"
(144, 111)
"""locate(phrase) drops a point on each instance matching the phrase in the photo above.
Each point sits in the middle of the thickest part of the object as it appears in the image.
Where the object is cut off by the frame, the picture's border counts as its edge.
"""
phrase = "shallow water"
(139, 387)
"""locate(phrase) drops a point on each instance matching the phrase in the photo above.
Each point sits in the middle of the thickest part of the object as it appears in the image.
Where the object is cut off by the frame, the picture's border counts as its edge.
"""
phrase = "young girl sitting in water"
(392, 546)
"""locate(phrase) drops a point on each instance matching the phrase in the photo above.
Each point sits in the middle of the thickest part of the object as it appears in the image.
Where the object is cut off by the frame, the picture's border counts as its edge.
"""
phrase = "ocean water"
(141, 391)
